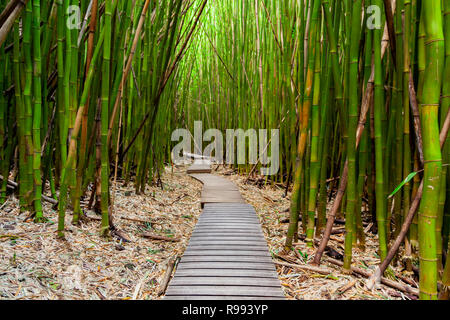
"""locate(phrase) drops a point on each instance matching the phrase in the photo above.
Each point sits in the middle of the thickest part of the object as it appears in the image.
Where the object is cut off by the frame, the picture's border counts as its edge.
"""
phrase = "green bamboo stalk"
(28, 115)
(303, 134)
(37, 112)
(379, 163)
(352, 124)
(105, 119)
(435, 51)
(314, 148)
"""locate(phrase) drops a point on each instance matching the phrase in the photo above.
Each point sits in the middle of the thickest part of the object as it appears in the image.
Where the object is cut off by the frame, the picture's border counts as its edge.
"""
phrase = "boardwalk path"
(227, 257)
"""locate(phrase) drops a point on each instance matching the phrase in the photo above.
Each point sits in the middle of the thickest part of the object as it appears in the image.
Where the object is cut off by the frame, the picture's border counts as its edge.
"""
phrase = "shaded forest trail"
(227, 256)
(330, 116)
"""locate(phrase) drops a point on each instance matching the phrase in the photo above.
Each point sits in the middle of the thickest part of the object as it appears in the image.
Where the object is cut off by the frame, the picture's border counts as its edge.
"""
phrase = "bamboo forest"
(224, 149)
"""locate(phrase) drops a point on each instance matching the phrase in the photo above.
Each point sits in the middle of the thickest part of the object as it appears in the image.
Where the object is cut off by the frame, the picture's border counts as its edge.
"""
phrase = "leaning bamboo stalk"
(127, 69)
(167, 76)
(12, 15)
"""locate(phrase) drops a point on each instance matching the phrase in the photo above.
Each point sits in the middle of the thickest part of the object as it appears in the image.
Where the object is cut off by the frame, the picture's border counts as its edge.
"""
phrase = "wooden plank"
(231, 221)
(220, 187)
(235, 258)
(218, 229)
(229, 214)
(202, 252)
(208, 217)
(229, 237)
(243, 218)
(226, 265)
(187, 298)
(236, 207)
(225, 214)
(200, 166)
(220, 199)
(227, 223)
(230, 206)
(235, 248)
(226, 281)
(207, 192)
(231, 217)
(226, 273)
(227, 253)
(237, 229)
(198, 169)
(254, 243)
(248, 227)
(224, 235)
(225, 291)
(229, 240)
(217, 235)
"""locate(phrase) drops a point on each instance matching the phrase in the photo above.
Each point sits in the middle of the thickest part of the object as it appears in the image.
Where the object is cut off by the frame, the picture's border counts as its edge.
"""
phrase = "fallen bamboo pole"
(15, 185)
(385, 281)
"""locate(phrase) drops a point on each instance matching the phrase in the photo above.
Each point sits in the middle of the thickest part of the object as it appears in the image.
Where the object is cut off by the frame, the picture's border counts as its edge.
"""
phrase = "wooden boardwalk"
(227, 257)
(218, 190)
(200, 166)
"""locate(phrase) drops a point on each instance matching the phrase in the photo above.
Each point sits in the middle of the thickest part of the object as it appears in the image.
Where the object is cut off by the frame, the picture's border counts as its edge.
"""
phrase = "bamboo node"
(433, 40)
(430, 161)
(429, 260)
(429, 104)
(431, 294)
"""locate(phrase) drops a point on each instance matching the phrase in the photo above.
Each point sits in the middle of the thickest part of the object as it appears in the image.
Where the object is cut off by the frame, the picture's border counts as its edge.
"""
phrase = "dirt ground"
(34, 264)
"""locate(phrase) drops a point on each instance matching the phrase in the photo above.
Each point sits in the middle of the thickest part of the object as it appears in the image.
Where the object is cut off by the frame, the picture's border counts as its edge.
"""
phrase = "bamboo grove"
(359, 89)
(81, 84)
(354, 89)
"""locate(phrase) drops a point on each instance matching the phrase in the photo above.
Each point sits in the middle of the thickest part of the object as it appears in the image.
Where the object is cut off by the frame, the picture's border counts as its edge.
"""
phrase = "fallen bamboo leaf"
(158, 237)
(319, 270)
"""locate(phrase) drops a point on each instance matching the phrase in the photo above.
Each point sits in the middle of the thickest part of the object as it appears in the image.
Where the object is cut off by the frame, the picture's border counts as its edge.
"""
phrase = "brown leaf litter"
(272, 207)
(34, 264)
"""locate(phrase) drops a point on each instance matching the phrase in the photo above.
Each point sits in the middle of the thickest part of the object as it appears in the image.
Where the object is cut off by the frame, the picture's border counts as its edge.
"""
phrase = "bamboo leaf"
(408, 179)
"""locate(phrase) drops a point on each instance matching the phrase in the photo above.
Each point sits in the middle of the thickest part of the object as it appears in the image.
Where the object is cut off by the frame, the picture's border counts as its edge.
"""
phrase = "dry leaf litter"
(34, 264)
(272, 207)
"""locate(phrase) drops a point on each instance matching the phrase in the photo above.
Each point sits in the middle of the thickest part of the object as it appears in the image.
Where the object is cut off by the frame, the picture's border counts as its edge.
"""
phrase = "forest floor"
(34, 264)
(272, 207)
